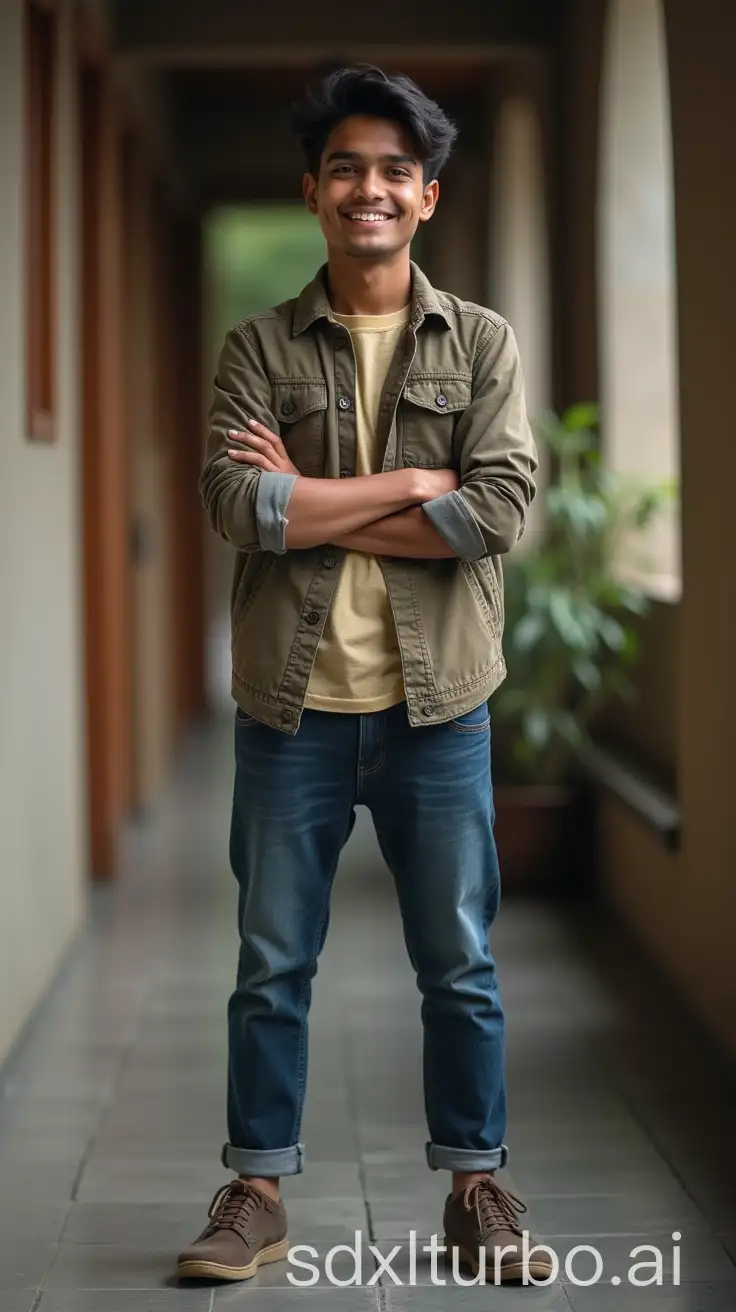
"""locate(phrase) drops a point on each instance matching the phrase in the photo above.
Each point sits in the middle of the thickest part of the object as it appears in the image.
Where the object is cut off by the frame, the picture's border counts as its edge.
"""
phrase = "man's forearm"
(325, 509)
(408, 533)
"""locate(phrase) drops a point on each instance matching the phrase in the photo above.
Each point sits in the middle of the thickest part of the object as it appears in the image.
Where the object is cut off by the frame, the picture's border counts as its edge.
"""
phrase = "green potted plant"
(570, 643)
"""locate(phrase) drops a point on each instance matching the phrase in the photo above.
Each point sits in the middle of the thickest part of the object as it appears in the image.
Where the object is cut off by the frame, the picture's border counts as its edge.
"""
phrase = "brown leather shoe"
(484, 1216)
(246, 1228)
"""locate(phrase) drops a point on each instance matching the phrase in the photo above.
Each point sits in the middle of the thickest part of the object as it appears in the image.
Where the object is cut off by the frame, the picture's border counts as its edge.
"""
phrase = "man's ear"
(309, 191)
(429, 200)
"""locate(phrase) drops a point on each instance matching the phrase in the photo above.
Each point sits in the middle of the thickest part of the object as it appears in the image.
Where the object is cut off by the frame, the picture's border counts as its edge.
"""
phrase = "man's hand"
(267, 451)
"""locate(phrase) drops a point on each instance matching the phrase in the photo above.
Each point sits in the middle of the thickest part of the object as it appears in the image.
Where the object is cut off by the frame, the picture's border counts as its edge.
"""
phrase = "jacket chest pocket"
(300, 408)
(430, 408)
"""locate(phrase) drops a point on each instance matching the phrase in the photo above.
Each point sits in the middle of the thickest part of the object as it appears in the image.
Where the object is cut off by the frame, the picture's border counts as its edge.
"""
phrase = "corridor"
(111, 1109)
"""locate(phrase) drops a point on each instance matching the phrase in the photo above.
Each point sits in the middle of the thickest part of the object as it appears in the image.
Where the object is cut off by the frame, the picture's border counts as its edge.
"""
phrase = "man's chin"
(371, 250)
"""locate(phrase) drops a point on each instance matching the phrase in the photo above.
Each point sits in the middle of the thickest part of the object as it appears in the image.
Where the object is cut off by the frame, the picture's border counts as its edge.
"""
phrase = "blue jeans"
(429, 793)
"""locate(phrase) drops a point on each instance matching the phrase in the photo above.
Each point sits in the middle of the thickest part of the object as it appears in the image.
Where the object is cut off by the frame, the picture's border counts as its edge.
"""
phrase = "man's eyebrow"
(356, 155)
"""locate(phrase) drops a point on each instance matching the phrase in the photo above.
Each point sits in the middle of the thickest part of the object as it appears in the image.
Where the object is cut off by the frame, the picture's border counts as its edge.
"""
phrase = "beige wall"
(637, 273)
(42, 849)
(682, 906)
(520, 240)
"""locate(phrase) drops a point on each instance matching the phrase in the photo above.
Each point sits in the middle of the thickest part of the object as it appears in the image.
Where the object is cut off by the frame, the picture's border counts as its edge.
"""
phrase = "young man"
(370, 459)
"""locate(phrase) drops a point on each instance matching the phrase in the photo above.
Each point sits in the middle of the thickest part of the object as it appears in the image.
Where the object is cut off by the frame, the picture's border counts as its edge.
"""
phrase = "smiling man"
(370, 460)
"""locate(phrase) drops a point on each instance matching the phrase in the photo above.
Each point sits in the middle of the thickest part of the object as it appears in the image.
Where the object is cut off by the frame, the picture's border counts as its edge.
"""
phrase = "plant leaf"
(612, 633)
(528, 632)
(587, 673)
(583, 415)
(537, 728)
(565, 620)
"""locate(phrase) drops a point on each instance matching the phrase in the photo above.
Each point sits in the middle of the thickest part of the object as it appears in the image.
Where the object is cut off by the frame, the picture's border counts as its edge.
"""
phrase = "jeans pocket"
(476, 721)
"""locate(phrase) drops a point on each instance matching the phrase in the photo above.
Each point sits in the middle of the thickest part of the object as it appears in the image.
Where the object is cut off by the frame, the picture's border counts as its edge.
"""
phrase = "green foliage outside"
(571, 637)
(257, 256)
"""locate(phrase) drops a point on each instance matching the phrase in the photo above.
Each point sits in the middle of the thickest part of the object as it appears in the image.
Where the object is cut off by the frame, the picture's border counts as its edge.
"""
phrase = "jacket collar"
(312, 303)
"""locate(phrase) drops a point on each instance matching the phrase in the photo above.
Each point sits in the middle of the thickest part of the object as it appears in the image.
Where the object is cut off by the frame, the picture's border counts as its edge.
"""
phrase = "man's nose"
(371, 186)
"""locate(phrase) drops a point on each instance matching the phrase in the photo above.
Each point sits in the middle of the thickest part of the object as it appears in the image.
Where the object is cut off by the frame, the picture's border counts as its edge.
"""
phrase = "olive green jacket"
(454, 397)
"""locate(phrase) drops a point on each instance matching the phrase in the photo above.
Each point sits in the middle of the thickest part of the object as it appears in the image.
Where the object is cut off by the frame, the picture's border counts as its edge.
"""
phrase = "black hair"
(365, 89)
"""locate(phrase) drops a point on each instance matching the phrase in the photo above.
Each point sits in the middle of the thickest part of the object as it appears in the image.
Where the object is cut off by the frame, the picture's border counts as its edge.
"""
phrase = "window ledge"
(655, 805)
(665, 588)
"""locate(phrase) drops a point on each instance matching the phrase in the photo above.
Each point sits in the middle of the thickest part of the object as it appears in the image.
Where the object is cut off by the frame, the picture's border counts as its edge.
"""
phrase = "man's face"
(370, 195)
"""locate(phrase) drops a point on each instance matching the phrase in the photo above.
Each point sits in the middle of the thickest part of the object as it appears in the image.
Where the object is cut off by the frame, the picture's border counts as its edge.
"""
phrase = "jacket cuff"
(455, 521)
(272, 498)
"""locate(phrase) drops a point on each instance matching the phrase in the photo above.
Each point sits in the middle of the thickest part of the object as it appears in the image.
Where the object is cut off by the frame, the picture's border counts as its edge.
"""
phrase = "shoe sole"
(217, 1271)
(510, 1271)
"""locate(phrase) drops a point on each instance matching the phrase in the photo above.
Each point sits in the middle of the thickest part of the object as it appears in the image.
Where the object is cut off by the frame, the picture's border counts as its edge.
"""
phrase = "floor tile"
(17, 1300)
(110, 1266)
(43, 1148)
(687, 1298)
(27, 1182)
(126, 1300)
(606, 1214)
(319, 1299)
(452, 1299)
(41, 1220)
(728, 1239)
(23, 1264)
(150, 1181)
(128, 1225)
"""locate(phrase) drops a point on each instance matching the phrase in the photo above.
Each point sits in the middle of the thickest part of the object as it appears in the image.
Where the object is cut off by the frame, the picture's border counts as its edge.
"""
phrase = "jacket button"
(313, 617)
(287, 714)
(287, 408)
(339, 343)
(345, 473)
(344, 403)
(329, 562)
(441, 400)
(428, 710)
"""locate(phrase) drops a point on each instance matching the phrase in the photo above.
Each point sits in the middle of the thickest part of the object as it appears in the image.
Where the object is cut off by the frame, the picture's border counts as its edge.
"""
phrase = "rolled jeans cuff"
(440, 1158)
(265, 1162)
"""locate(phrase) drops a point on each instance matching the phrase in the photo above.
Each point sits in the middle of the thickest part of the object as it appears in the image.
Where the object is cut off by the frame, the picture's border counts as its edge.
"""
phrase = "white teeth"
(370, 218)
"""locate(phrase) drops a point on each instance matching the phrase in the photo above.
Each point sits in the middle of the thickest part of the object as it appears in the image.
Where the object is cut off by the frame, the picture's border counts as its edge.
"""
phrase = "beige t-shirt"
(357, 668)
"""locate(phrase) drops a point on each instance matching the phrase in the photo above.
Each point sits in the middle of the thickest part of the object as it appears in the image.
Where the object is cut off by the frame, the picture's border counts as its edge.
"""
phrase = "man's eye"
(399, 173)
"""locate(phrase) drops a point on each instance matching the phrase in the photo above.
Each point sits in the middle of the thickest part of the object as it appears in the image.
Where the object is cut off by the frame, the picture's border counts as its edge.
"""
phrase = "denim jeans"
(429, 794)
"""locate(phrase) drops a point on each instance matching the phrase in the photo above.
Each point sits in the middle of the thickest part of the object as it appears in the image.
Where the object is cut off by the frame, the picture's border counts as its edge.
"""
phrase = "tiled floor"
(111, 1114)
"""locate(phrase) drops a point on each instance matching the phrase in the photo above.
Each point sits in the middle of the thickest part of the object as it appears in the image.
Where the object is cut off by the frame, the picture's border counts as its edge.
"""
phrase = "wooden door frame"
(105, 462)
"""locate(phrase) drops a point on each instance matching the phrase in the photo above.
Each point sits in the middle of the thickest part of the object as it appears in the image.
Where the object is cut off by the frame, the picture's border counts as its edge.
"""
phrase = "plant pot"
(542, 836)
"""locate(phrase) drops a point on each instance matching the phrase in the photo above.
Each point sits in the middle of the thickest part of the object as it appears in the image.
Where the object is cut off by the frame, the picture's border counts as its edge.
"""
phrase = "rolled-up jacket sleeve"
(498, 457)
(246, 506)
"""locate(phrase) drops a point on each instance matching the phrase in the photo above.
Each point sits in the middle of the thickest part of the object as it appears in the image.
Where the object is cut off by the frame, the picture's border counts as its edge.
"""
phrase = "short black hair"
(365, 89)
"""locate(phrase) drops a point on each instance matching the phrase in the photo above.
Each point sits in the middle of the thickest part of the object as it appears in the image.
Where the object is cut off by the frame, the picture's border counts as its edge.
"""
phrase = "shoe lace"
(495, 1207)
(231, 1207)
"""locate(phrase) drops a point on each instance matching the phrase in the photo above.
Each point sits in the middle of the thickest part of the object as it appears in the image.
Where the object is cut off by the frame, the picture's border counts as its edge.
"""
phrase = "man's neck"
(360, 287)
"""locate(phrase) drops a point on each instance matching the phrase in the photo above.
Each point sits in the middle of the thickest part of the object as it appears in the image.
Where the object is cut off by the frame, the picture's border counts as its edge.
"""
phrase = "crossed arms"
(257, 500)
(377, 513)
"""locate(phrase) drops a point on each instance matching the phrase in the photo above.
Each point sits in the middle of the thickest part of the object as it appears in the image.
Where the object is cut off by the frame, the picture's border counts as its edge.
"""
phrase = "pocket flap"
(293, 398)
(437, 393)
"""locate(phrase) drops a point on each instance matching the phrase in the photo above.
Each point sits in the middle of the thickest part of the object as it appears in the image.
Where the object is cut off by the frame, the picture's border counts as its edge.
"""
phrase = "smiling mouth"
(368, 218)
